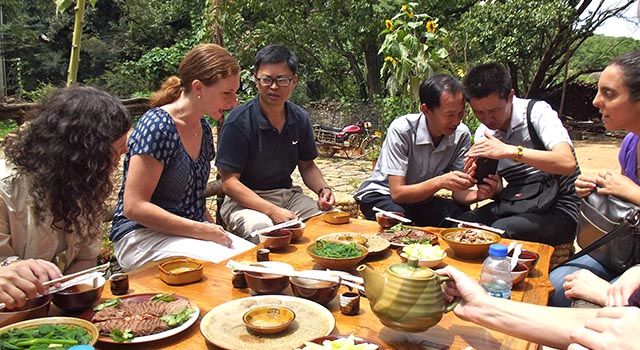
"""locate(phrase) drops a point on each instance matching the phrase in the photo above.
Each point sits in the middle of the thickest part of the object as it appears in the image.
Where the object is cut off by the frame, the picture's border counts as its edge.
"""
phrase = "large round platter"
(223, 326)
(147, 338)
(68, 321)
(375, 243)
(392, 237)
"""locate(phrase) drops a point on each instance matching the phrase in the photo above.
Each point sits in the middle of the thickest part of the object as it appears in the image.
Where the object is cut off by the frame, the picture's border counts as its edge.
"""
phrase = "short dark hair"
(432, 88)
(275, 53)
(630, 65)
(486, 79)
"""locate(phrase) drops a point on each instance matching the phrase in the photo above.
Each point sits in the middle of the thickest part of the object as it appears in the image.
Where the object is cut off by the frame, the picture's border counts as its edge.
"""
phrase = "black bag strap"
(630, 220)
(537, 143)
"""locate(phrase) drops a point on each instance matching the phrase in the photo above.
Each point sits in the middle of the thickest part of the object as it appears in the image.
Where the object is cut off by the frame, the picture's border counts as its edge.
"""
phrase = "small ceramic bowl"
(34, 308)
(470, 249)
(276, 240)
(268, 319)
(337, 263)
(387, 222)
(322, 292)
(179, 272)
(263, 283)
(297, 231)
(80, 297)
(337, 217)
(329, 339)
(527, 257)
(519, 273)
(431, 263)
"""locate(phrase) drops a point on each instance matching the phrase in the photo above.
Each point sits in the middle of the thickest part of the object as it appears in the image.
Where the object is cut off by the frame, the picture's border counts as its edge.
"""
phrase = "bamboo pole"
(74, 61)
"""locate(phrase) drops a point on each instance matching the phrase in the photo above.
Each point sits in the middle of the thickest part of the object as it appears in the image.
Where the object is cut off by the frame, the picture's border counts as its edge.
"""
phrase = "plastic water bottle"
(495, 277)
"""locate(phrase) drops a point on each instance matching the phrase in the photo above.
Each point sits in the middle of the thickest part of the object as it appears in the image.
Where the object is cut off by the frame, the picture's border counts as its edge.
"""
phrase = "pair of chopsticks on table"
(71, 279)
(340, 277)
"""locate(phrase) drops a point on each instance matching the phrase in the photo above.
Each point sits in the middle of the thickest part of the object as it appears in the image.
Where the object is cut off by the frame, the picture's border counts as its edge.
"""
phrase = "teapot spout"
(374, 282)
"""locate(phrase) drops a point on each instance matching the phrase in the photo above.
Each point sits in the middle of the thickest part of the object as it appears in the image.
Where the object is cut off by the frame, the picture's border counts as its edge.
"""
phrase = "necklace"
(194, 131)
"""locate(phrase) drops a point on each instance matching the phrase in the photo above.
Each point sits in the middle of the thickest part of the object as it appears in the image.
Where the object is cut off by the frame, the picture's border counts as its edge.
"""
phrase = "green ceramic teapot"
(406, 297)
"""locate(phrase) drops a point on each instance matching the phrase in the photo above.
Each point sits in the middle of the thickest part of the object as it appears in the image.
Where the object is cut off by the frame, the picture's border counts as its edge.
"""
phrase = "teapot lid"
(411, 269)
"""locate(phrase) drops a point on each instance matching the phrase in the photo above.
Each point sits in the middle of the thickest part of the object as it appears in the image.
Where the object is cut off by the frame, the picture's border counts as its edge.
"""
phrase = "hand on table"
(612, 328)
(23, 280)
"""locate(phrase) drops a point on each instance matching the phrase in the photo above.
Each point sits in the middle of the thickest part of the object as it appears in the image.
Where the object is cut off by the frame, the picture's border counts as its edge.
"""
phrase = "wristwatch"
(9, 260)
(519, 153)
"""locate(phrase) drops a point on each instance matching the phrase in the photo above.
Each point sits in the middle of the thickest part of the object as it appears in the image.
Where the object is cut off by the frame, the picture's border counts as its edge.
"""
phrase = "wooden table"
(451, 333)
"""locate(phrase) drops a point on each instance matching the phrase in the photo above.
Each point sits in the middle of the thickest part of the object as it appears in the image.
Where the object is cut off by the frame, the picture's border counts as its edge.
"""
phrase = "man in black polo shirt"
(261, 143)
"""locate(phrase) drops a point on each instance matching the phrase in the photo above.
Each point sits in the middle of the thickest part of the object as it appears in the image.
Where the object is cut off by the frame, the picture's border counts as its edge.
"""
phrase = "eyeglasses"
(268, 81)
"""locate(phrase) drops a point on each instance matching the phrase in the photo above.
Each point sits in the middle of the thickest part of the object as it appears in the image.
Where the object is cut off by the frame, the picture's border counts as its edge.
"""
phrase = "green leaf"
(177, 318)
(108, 303)
(62, 5)
(121, 336)
(167, 297)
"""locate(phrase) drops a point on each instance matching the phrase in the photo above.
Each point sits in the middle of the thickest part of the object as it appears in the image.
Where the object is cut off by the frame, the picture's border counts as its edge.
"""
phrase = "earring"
(198, 97)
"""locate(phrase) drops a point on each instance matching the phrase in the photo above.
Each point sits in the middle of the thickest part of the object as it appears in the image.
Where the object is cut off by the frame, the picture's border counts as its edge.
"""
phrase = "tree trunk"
(370, 48)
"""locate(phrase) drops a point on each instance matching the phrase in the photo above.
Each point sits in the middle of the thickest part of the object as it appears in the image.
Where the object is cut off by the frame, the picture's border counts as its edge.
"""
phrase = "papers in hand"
(276, 227)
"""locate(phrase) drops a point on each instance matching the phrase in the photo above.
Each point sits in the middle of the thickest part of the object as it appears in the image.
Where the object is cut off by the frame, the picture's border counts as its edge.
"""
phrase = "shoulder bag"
(609, 231)
(534, 194)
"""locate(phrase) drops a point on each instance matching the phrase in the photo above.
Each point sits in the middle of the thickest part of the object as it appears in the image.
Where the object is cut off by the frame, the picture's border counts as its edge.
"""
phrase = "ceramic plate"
(223, 326)
(375, 243)
(69, 321)
(395, 238)
(147, 338)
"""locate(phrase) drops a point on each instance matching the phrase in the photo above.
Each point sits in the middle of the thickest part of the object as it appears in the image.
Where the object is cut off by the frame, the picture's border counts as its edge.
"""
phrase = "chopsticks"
(71, 279)
(392, 215)
(477, 225)
(275, 227)
(340, 277)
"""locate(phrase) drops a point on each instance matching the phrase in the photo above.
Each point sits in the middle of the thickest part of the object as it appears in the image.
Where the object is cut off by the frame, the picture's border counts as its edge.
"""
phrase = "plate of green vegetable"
(336, 255)
(58, 332)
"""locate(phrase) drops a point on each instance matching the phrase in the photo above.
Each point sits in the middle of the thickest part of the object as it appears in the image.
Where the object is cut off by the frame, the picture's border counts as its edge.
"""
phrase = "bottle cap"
(81, 347)
(497, 249)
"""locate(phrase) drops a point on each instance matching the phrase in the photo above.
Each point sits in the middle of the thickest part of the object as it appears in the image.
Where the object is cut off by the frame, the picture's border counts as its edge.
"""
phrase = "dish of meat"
(402, 236)
(146, 313)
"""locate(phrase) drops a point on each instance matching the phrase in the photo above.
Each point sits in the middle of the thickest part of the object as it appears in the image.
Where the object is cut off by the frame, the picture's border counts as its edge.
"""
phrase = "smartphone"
(485, 166)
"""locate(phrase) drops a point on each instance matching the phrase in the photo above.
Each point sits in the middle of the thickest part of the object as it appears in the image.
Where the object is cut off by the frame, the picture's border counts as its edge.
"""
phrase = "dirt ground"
(596, 156)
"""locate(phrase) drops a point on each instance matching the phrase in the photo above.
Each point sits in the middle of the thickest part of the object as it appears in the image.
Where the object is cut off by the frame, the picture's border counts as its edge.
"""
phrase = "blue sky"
(628, 26)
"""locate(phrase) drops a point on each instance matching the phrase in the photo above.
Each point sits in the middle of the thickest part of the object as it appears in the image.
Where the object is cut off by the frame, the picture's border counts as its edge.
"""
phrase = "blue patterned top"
(181, 187)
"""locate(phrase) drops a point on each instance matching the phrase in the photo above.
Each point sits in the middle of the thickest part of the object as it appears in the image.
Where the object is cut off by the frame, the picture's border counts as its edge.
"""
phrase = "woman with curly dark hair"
(57, 176)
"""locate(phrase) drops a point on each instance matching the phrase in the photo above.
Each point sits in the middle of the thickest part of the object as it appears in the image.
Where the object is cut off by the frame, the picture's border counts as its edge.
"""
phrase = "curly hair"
(67, 155)
(205, 62)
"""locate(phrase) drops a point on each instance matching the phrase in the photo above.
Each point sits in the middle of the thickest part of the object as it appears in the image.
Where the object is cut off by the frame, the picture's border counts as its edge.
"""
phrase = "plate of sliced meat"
(141, 318)
(401, 236)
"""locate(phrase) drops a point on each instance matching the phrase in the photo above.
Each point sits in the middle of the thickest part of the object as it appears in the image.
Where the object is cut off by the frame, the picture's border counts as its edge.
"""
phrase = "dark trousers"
(431, 212)
(553, 227)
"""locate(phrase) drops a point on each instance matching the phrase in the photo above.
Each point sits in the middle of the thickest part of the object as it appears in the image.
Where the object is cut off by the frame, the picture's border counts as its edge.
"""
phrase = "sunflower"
(405, 8)
(389, 24)
(410, 14)
(431, 27)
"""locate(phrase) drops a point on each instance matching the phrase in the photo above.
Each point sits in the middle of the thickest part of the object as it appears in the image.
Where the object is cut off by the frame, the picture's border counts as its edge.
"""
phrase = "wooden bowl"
(34, 308)
(276, 240)
(387, 222)
(337, 263)
(264, 283)
(67, 321)
(80, 297)
(297, 231)
(322, 292)
(337, 217)
(519, 273)
(527, 257)
(470, 250)
(179, 272)
(268, 319)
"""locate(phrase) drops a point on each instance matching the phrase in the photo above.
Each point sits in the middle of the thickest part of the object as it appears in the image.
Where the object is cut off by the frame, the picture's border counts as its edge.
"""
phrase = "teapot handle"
(453, 303)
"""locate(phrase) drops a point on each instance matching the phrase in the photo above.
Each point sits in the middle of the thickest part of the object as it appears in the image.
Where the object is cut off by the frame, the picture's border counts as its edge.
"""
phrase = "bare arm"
(559, 160)
(142, 179)
(312, 178)
(244, 196)
(532, 322)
